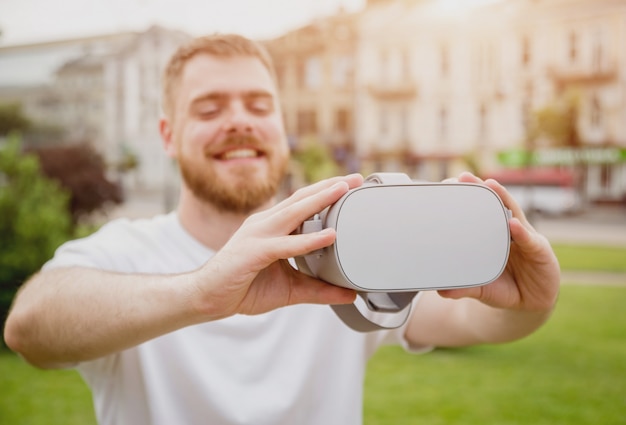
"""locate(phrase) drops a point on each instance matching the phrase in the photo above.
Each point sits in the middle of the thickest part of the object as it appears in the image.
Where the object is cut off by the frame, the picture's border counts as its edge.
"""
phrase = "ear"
(165, 128)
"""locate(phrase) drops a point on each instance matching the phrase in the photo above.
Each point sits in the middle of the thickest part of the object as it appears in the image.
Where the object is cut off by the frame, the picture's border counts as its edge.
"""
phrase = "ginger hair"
(219, 45)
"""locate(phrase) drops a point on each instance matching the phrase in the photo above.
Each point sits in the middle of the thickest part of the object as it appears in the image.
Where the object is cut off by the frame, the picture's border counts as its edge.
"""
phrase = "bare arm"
(512, 307)
(68, 315)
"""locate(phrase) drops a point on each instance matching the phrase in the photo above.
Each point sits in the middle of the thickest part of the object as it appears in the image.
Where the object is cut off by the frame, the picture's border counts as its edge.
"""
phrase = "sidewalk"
(602, 226)
(593, 278)
(596, 226)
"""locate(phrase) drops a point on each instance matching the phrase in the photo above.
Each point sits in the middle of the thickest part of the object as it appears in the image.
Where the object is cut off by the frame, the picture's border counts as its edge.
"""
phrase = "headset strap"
(395, 306)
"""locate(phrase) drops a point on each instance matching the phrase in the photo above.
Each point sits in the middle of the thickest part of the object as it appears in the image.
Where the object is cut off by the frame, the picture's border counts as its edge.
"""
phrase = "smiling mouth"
(242, 153)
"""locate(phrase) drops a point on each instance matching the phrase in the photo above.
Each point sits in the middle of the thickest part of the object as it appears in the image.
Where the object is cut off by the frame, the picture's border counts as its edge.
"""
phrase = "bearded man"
(197, 316)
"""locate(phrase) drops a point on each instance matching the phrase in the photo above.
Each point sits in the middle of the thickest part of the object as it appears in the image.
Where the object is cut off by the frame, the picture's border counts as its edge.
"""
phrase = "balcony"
(404, 90)
(565, 76)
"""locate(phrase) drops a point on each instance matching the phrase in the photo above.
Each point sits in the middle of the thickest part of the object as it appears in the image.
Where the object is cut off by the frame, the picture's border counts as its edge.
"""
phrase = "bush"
(34, 218)
(82, 172)
(12, 118)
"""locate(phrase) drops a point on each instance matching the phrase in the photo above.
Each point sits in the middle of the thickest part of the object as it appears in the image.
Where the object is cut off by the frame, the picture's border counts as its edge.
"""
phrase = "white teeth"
(240, 153)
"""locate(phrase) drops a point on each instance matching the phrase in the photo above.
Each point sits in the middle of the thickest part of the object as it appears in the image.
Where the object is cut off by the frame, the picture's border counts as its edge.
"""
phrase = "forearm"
(68, 315)
(442, 322)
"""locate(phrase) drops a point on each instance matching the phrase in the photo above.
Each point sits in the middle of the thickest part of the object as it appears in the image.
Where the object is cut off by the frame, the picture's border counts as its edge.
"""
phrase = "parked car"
(547, 191)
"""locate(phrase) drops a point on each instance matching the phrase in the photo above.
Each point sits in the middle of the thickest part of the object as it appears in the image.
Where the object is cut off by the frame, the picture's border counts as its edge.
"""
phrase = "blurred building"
(404, 85)
(315, 67)
(579, 47)
(431, 90)
(102, 90)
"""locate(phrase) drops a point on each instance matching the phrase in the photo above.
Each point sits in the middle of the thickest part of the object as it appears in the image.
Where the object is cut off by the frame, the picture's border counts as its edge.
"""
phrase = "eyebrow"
(220, 96)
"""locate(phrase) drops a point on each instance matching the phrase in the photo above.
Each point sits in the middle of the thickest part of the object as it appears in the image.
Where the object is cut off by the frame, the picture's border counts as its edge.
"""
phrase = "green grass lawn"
(29, 396)
(600, 258)
(572, 371)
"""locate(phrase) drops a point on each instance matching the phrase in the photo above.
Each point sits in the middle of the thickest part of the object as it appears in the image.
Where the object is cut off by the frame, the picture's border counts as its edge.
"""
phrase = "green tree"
(316, 161)
(34, 218)
(557, 122)
(556, 125)
(12, 118)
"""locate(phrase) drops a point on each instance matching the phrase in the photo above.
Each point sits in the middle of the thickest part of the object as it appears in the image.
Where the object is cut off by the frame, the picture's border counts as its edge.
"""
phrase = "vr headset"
(396, 237)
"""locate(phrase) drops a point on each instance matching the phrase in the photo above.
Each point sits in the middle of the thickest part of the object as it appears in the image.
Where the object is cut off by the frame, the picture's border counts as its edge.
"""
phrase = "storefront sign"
(562, 156)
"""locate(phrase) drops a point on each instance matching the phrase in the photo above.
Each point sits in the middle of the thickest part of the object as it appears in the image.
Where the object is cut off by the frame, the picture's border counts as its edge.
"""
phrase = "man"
(177, 319)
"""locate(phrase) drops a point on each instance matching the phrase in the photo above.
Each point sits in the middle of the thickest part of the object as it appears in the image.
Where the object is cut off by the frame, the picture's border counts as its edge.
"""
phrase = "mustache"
(240, 140)
(234, 141)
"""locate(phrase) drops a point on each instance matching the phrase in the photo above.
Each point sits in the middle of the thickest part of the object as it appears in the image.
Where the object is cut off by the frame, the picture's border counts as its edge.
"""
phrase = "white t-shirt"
(295, 365)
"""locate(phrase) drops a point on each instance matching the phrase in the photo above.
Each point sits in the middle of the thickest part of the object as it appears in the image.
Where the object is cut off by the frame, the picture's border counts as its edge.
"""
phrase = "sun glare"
(457, 7)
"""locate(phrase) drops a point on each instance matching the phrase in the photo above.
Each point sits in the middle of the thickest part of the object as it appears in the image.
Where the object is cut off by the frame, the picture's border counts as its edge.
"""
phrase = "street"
(597, 225)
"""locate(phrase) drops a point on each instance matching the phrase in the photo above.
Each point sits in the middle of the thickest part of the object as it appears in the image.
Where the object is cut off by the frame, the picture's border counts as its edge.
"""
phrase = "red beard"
(243, 191)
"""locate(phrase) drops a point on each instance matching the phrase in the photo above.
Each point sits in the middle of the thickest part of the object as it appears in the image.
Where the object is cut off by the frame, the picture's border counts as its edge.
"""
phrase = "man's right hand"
(251, 273)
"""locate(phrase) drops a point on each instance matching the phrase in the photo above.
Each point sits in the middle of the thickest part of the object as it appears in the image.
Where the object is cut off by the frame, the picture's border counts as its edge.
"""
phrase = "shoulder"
(127, 245)
(126, 235)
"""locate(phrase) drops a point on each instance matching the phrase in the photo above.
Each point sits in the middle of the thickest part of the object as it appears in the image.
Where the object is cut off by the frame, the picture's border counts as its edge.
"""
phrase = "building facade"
(102, 90)
(436, 91)
(403, 85)
(315, 67)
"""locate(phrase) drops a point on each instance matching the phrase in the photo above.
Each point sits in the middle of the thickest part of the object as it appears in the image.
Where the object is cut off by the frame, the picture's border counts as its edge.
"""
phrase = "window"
(443, 123)
(383, 60)
(342, 71)
(406, 64)
(525, 114)
(404, 122)
(526, 51)
(595, 113)
(605, 176)
(383, 121)
(573, 47)
(307, 122)
(444, 64)
(301, 74)
(482, 123)
(485, 61)
(313, 76)
(598, 52)
(342, 120)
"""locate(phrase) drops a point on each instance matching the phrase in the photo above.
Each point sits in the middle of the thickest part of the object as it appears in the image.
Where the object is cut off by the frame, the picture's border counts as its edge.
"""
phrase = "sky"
(29, 21)
(24, 21)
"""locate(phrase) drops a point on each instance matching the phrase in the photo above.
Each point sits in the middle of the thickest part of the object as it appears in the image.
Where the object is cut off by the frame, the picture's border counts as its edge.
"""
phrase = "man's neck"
(209, 225)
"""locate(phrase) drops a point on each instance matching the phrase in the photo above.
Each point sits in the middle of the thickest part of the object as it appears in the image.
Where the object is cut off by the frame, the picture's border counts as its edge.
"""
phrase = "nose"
(238, 119)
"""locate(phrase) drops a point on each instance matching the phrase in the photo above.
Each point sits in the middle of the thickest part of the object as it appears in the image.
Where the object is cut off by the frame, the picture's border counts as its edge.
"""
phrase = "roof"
(35, 64)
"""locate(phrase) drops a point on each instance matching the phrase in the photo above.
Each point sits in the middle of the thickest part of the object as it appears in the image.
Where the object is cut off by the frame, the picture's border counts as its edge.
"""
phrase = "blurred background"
(530, 92)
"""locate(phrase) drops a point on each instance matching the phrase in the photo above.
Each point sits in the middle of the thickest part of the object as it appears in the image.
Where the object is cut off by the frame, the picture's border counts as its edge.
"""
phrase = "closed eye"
(260, 103)
(208, 109)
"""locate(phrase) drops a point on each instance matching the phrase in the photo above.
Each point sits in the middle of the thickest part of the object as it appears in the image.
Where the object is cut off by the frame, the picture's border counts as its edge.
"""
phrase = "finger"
(290, 216)
(306, 289)
(455, 294)
(289, 246)
(505, 196)
(509, 201)
(531, 244)
(519, 233)
(467, 177)
(353, 180)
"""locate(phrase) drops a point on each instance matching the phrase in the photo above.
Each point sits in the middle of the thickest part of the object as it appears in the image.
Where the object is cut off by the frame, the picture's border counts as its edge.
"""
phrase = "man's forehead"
(239, 75)
(205, 65)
